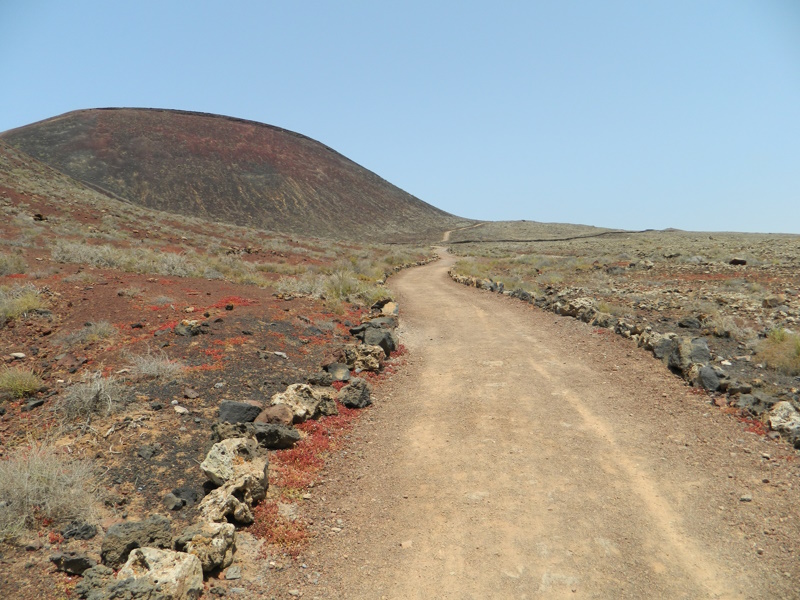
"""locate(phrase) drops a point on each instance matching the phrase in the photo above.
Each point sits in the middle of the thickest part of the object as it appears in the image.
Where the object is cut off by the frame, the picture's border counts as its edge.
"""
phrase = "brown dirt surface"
(524, 455)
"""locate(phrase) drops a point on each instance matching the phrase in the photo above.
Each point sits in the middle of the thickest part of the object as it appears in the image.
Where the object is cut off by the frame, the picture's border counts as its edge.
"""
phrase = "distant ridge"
(231, 170)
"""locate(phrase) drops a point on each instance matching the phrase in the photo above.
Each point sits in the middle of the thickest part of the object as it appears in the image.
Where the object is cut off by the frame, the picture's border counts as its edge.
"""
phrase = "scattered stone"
(17, 355)
(746, 498)
(322, 378)
(707, 379)
(181, 410)
(271, 436)
(338, 371)
(356, 394)
(281, 355)
(72, 562)
(188, 328)
(364, 358)
(690, 323)
(156, 406)
(279, 413)
(172, 502)
(190, 393)
(737, 261)
(233, 573)
(36, 403)
(238, 412)
(213, 543)
(148, 451)
(79, 530)
(124, 537)
(188, 494)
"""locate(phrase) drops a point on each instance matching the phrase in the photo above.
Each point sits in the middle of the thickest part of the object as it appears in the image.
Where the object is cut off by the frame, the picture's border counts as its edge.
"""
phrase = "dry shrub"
(97, 395)
(11, 264)
(19, 301)
(781, 351)
(19, 382)
(93, 332)
(40, 487)
(156, 366)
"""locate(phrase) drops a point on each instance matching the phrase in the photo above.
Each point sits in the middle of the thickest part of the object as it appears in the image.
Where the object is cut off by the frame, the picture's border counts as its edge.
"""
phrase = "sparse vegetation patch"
(39, 487)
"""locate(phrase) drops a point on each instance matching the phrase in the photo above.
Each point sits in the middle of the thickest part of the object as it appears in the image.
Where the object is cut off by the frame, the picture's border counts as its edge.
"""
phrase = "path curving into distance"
(523, 455)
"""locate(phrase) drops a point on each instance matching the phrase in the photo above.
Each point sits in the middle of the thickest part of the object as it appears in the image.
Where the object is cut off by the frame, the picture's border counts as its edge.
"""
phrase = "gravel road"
(523, 455)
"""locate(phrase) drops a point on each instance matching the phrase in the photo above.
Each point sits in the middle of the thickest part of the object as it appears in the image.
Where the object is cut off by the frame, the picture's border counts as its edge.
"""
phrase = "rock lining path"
(523, 455)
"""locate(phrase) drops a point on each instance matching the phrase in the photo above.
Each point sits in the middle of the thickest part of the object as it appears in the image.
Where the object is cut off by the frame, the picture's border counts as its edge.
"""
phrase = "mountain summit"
(230, 170)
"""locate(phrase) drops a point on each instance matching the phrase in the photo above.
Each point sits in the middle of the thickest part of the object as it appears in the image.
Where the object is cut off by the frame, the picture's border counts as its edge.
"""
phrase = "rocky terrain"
(170, 387)
(721, 310)
(174, 382)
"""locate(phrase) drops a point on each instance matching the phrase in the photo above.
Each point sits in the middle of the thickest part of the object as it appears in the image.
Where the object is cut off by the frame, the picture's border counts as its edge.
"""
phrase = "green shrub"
(19, 382)
(38, 484)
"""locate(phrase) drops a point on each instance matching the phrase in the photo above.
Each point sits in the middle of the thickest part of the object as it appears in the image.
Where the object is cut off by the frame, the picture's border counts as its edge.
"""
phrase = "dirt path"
(446, 236)
(523, 455)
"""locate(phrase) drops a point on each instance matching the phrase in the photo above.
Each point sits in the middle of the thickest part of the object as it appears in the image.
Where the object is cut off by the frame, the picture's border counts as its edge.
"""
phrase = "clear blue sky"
(633, 114)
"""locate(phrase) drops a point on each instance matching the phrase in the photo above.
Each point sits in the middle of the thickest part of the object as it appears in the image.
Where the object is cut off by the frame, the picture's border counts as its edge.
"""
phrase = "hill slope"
(230, 170)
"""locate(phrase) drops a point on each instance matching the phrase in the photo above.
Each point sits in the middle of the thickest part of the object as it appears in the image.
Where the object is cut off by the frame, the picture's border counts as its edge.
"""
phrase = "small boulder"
(79, 530)
(280, 414)
(238, 412)
(124, 537)
(356, 394)
(271, 436)
(381, 337)
(73, 563)
(173, 575)
(234, 500)
(708, 379)
(320, 378)
(364, 358)
(213, 543)
(232, 458)
(307, 402)
(338, 371)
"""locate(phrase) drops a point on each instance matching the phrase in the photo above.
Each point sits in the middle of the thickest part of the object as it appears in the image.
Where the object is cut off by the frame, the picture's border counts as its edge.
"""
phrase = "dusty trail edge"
(523, 455)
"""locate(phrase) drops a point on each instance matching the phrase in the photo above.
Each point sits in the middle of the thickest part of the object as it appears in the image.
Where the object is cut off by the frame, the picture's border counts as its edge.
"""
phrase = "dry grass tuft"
(97, 395)
(39, 487)
(19, 301)
(12, 264)
(781, 351)
(156, 366)
(19, 382)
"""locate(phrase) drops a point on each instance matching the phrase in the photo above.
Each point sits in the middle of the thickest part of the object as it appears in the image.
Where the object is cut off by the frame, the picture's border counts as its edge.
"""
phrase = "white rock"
(783, 417)
(213, 543)
(232, 458)
(178, 575)
(307, 402)
(234, 499)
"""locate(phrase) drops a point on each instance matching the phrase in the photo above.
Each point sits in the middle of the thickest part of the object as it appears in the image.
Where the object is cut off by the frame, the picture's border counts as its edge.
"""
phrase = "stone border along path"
(238, 465)
(687, 357)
